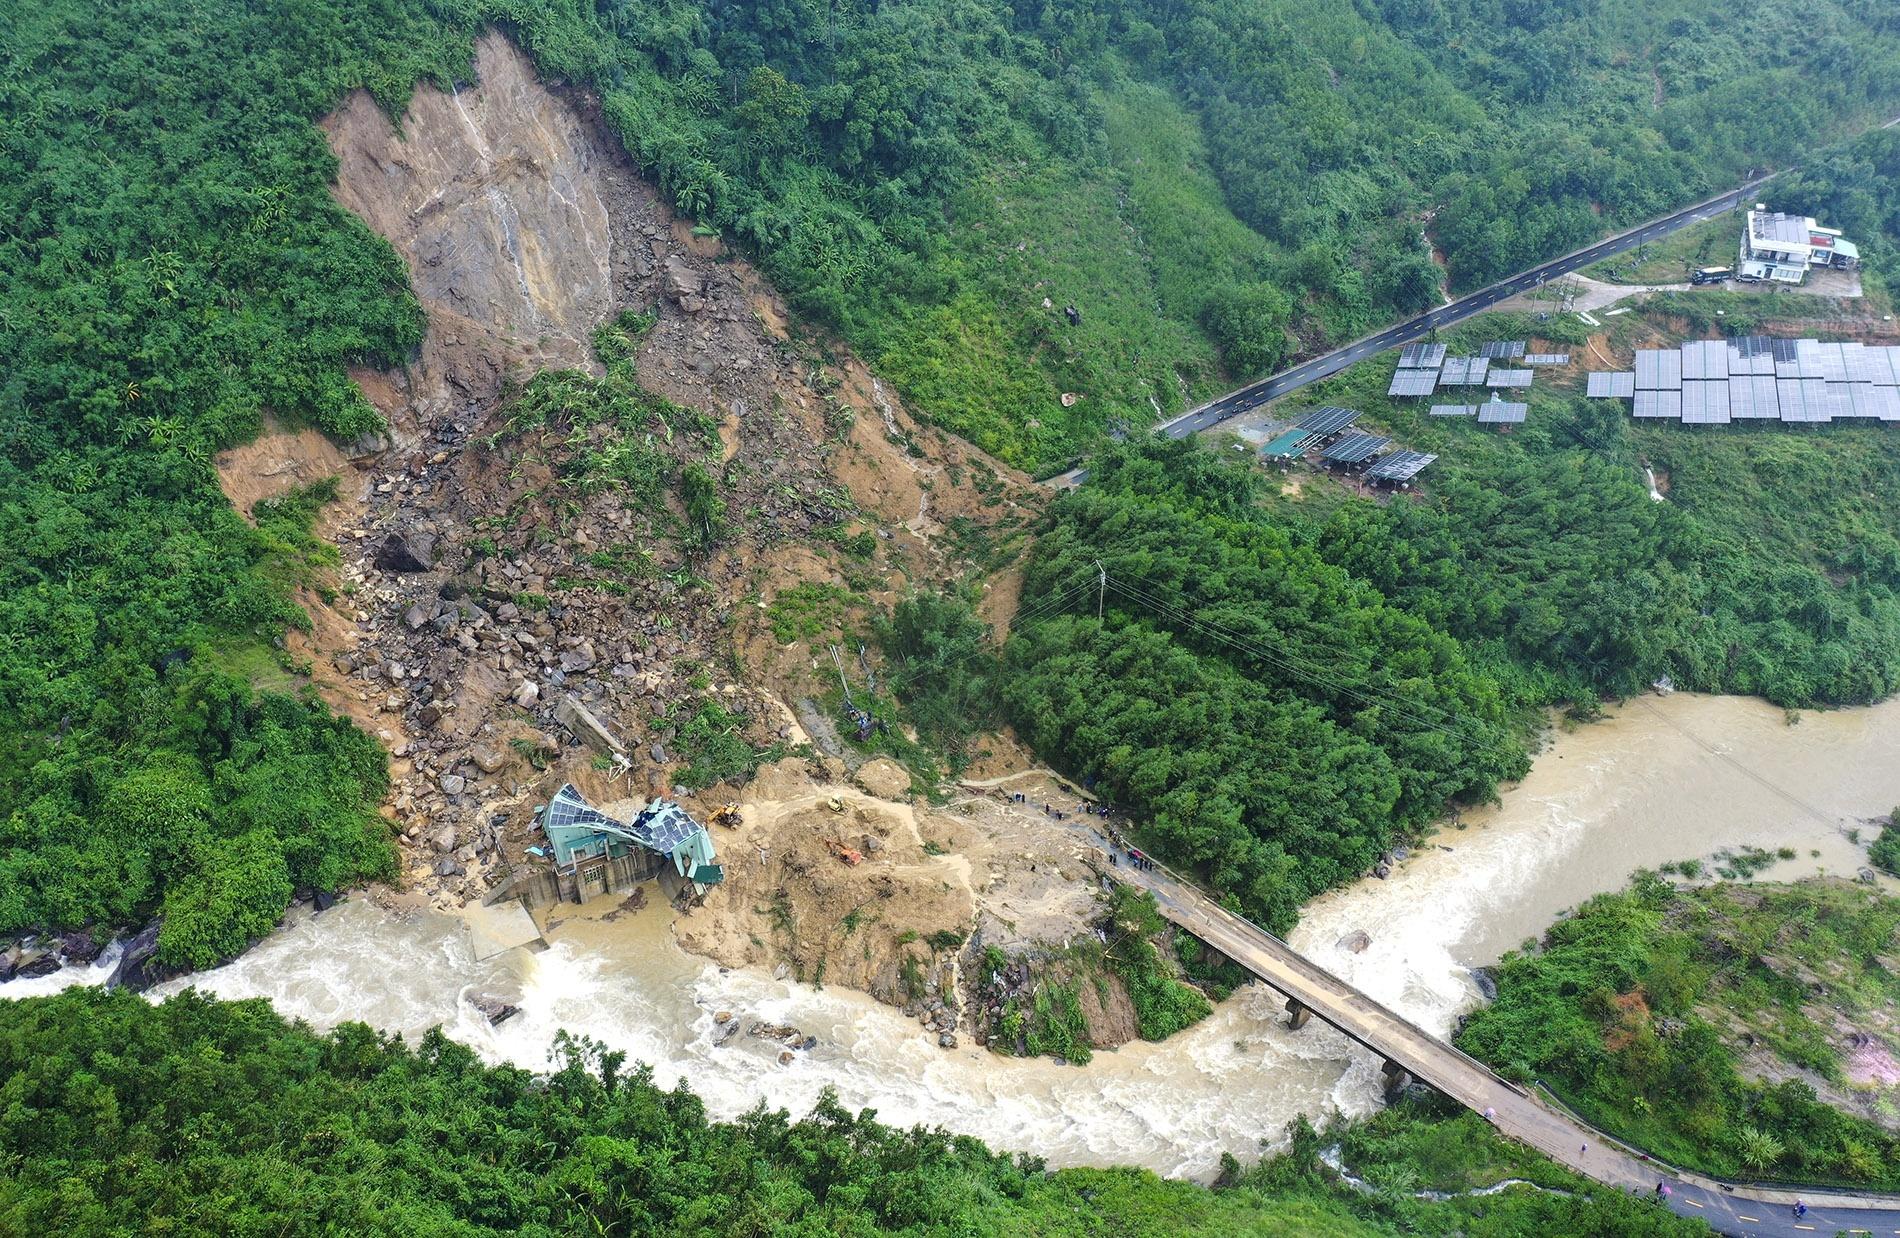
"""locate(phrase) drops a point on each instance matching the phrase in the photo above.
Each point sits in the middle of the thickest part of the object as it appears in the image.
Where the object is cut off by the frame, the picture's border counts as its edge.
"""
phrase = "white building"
(1782, 247)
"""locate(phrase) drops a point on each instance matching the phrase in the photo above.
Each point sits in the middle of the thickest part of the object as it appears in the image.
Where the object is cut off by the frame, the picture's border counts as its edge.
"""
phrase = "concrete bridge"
(1409, 1051)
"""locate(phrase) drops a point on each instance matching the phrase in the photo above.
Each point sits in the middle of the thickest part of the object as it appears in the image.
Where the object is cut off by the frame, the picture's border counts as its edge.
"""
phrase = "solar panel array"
(1508, 378)
(1502, 349)
(1413, 382)
(1762, 378)
(1547, 358)
(1356, 448)
(1399, 467)
(1422, 356)
(1501, 413)
(1453, 410)
(1605, 385)
(1328, 420)
(1463, 371)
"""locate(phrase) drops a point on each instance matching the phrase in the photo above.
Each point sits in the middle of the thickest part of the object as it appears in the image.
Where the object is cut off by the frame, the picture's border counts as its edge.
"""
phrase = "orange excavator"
(850, 855)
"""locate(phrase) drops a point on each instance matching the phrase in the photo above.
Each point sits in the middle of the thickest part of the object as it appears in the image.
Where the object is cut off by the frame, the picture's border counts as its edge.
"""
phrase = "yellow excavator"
(728, 815)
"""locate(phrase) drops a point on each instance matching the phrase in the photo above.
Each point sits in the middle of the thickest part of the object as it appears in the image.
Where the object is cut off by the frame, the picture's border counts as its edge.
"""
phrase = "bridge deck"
(1517, 1112)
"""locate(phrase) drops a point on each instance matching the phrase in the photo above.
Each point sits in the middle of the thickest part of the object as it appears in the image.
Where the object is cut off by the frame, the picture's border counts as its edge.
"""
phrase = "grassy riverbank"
(119, 1116)
(1740, 1030)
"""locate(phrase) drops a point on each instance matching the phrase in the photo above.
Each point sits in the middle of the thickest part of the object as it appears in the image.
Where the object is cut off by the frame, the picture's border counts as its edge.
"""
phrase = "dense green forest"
(1644, 1007)
(120, 1116)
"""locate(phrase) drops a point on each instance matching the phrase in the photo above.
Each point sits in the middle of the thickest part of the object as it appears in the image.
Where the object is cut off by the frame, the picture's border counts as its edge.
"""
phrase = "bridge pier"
(1296, 1014)
(1397, 1078)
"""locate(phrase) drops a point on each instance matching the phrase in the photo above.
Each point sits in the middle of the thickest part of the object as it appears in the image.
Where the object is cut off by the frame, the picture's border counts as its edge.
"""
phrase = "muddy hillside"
(611, 457)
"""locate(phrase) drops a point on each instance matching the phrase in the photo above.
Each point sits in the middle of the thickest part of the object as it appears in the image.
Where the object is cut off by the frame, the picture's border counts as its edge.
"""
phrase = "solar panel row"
(1508, 378)
(1453, 410)
(1400, 466)
(1329, 419)
(1547, 358)
(1502, 414)
(1413, 382)
(1356, 448)
(1422, 356)
(1500, 349)
(1763, 378)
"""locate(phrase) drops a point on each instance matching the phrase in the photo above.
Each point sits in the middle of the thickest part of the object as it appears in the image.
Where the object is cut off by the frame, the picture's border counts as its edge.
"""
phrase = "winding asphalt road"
(1732, 1208)
(1253, 395)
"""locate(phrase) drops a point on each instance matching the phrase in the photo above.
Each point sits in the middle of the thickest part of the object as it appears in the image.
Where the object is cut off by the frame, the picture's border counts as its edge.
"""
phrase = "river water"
(1664, 778)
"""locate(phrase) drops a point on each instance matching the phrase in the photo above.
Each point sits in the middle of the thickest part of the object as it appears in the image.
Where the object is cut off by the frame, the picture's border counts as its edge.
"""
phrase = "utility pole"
(1101, 588)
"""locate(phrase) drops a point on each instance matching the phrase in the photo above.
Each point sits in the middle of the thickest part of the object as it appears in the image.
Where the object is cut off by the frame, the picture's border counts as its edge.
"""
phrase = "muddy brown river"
(1664, 778)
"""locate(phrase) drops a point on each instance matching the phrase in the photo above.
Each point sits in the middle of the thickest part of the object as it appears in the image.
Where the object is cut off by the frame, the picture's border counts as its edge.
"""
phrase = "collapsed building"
(594, 853)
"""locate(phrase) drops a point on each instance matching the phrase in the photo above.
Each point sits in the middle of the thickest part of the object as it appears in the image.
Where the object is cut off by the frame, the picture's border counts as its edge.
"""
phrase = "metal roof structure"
(1412, 382)
(1289, 443)
(1453, 410)
(1356, 448)
(1399, 467)
(576, 829)
(1499, 350)
(1501, 413)
(1607, 385)
(1328, 420)
(1422, 356)
(1509, 378)
(1463, 371)
(1546, 358)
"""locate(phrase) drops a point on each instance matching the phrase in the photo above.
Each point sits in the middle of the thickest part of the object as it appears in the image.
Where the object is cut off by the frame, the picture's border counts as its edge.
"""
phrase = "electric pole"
(1101, 588)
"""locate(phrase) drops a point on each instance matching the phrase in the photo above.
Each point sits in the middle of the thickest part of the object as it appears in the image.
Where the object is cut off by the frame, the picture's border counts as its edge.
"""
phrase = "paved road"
(1522, 1114)
(1252, 396)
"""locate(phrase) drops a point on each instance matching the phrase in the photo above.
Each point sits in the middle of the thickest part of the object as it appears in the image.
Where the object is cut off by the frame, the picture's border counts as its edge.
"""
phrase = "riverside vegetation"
(119, 1115)
(1702, 1023)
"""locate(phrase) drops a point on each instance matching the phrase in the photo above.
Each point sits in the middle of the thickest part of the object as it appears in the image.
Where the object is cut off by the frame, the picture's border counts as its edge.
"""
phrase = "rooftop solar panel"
(1329, 419)
(1751, 397)
(1500, 412)
(1356, 448)
(1400, 466)
(1422, 356)
(1791, 399)
(1886, 402)
(1862, 403)
(1412, 382)
(1705, 403)
(1508, 378)
(1665, 405)
(1453, 410)
(1669, 370)
(1547, 358)
(1814, 395)
(1463, 371)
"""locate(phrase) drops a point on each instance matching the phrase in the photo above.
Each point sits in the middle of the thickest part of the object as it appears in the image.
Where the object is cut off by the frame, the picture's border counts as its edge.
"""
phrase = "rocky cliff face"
(498, 197)
(494, 580)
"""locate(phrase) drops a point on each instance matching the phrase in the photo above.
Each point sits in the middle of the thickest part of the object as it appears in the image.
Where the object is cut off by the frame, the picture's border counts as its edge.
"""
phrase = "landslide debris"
(606, 461)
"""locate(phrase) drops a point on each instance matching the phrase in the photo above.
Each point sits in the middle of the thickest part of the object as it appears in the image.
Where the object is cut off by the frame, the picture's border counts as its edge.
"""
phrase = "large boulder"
(79, 947)
(685, 286)
(137, 969)
(406, 552)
